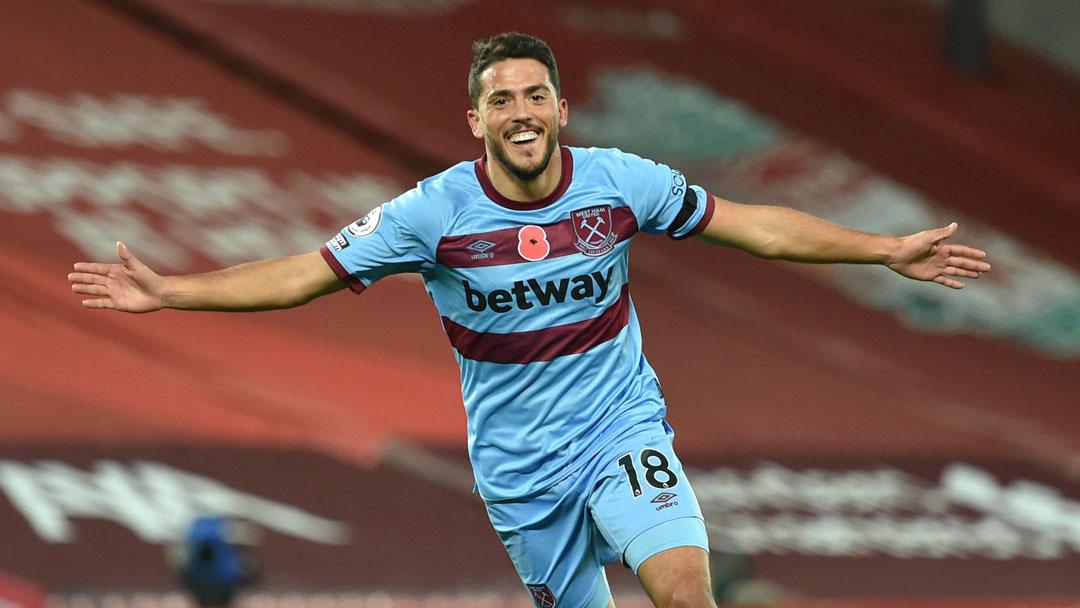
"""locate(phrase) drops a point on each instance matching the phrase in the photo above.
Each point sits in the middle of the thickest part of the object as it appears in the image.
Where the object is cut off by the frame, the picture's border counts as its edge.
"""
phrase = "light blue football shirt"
(535, 301)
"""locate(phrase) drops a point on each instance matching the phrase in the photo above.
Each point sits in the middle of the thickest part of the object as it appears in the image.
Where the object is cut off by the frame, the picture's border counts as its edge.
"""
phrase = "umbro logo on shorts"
(665, 500)
(664, 497)
(542, 596)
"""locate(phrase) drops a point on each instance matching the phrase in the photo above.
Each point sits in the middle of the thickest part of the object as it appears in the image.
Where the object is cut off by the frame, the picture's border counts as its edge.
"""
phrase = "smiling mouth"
(524, 138)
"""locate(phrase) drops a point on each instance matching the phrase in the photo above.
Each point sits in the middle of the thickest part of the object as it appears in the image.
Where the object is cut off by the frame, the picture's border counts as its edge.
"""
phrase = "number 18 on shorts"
(628, 503)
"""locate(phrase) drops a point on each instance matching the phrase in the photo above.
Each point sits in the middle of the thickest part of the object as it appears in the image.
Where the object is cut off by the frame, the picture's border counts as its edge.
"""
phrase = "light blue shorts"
(628, 503)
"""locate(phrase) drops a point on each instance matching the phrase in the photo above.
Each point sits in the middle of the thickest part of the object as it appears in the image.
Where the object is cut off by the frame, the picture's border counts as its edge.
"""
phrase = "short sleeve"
(662, 199)
(392, 238)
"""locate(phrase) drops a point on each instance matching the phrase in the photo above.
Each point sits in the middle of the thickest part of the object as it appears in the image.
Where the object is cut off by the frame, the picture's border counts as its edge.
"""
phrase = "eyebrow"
(528, 90)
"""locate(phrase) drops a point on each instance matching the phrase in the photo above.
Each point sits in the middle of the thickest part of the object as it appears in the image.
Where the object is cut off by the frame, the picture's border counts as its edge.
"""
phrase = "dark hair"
(509, 45)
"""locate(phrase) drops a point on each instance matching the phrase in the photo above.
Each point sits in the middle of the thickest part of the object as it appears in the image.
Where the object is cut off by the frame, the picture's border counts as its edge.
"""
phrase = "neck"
(525, 191)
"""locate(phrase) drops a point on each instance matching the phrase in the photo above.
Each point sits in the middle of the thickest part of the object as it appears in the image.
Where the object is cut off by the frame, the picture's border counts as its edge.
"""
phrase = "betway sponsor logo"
(523, 293)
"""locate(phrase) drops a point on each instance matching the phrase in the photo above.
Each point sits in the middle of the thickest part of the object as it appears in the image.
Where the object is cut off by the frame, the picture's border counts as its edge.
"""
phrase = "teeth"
(523, 136)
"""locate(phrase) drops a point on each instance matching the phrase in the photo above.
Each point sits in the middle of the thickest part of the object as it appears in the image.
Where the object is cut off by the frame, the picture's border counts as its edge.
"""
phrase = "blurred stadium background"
(856, 440)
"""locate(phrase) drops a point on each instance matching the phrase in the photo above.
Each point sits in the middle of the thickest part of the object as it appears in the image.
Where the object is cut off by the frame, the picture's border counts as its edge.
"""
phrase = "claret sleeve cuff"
(356, 285)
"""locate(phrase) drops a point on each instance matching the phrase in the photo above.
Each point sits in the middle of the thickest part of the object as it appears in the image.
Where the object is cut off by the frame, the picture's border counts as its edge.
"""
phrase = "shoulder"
(437, 198)
(610, 162)
(424, 213)
(607, 156)
(455, 184)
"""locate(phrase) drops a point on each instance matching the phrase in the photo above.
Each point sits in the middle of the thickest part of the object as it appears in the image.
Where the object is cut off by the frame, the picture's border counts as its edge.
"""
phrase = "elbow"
(288, 293)
(303, 287)
(293, 296)
(769, 248)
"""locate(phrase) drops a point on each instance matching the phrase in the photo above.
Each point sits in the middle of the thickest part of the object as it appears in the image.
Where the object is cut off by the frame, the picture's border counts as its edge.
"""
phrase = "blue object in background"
(215, 568)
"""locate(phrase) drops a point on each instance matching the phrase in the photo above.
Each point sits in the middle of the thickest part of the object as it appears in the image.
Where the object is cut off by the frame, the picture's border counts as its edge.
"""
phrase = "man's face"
(518, 116)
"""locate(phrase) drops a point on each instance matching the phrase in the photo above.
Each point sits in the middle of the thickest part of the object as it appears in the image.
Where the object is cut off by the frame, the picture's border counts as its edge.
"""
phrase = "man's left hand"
(926, 256)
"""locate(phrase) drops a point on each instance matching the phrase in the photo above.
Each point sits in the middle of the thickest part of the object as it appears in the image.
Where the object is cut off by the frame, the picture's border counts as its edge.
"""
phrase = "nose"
(521, 108)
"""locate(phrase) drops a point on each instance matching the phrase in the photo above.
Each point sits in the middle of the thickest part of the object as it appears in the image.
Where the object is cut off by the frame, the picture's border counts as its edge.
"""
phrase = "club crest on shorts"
(594, 232)
(367, 224)
(542, 596)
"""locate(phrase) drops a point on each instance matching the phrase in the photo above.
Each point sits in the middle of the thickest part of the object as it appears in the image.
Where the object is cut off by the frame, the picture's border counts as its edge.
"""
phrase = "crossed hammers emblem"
(594, 229)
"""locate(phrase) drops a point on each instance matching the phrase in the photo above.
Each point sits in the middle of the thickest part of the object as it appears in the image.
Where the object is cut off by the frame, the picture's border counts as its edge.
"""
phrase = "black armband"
(689, 206)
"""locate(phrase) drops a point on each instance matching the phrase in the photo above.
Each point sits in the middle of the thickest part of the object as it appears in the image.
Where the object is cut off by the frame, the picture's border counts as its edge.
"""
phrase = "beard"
(524, 174)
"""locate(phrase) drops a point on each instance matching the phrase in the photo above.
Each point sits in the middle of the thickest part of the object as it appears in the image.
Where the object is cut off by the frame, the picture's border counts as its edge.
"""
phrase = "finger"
(128, 258)
(123, 253)
(967, 264)
(943, 233)
(92, 267)
(967, 252)
(88, 278)
(948, 282)
(960, 272)
(99, 303)
(90, 290)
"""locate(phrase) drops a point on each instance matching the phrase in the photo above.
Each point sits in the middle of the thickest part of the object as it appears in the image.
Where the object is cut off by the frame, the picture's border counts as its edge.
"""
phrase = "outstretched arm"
(786, 234)
(131, 286)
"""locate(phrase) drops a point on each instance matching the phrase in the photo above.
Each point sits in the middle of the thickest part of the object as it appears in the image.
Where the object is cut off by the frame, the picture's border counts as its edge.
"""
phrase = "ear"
(564, 113)
(473, 116)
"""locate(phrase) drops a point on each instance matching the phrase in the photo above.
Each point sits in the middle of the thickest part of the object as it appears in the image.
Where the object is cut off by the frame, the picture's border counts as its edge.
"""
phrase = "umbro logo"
(663, 497)
(665, 500)
(481, 248)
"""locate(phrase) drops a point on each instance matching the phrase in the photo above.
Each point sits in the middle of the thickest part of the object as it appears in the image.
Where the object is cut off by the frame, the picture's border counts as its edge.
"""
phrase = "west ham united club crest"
(593, 229)
(542, 596)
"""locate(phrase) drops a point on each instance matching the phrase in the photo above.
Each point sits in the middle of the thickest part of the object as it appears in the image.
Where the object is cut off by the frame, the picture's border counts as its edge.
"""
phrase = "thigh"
(678, 577)
(550, 539)
(642, 503)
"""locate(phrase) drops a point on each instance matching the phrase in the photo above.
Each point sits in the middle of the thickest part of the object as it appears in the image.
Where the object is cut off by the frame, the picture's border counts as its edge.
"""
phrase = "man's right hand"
(129, 286)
